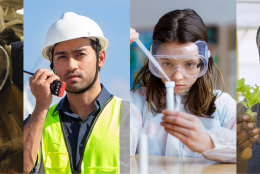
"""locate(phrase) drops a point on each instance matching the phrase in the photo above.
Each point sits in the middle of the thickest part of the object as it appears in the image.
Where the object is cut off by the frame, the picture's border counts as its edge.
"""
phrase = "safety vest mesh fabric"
(101, 149)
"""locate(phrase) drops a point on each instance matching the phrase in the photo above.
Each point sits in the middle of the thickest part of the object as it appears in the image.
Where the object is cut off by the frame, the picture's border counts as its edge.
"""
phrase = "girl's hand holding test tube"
(187, 129)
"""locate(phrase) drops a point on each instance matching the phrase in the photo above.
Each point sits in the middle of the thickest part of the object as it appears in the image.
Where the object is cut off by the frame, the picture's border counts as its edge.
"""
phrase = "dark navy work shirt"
(253, 165)
(76, 129)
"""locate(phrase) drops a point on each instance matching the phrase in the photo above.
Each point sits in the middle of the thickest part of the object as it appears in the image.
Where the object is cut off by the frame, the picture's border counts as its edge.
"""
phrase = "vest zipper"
(67, 145)
(90, 131)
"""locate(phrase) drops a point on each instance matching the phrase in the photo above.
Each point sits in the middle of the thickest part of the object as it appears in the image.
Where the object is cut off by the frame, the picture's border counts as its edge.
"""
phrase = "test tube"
(170, 94)
(143, 153)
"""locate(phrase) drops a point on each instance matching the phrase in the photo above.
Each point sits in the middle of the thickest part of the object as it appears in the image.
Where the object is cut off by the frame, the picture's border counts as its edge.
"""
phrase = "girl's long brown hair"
(180, 26)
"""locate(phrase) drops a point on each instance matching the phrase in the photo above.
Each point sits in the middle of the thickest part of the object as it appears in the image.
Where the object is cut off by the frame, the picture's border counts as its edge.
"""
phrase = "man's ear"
(102, 57)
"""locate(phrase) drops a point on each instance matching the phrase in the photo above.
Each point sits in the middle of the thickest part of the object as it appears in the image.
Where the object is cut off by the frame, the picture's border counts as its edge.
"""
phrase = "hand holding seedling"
(186, 128)
(246, 133)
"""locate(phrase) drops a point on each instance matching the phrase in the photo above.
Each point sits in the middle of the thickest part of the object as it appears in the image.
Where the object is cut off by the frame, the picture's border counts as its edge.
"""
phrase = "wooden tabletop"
(171, 164)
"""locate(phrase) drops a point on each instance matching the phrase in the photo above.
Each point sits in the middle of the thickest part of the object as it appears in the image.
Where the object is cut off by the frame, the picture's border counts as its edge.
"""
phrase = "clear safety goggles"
(4, 66)
(190, 59)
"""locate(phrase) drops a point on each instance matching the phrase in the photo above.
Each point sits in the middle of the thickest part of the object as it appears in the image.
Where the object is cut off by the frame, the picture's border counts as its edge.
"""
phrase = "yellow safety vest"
(101, 148)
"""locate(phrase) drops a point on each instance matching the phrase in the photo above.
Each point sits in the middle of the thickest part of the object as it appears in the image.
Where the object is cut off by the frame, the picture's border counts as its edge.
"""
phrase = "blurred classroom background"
(219, 18)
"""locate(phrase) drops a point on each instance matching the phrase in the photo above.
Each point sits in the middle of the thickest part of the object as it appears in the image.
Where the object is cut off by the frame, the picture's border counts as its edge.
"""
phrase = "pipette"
(151, 58)
(169, 84)
(143, 145)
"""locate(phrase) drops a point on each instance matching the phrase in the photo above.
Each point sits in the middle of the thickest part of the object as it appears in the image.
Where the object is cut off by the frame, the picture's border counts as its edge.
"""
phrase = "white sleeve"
(224, 137)
(136, 109)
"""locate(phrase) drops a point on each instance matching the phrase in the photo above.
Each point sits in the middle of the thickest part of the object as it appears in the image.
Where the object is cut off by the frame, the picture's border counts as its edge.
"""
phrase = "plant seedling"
(252, 96)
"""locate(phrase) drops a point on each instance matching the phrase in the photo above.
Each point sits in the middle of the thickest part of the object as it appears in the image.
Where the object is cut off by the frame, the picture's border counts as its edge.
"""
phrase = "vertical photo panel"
(183, 86)
(76, 86)
(11, 86)
(248, 94)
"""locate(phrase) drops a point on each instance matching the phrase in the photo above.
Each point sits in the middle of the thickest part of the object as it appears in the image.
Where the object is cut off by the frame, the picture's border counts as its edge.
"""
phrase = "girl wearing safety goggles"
(203, 121)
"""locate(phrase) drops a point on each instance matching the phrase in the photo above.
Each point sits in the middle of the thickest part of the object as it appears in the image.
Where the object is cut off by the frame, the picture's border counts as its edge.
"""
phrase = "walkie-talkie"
(57, 86)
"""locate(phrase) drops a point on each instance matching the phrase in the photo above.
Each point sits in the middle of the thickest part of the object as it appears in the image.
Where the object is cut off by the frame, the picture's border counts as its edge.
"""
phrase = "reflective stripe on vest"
(101, 148)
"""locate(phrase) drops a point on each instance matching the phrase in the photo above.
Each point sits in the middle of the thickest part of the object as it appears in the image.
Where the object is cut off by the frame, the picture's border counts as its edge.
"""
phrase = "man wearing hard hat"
(248, 142)
(88, 130)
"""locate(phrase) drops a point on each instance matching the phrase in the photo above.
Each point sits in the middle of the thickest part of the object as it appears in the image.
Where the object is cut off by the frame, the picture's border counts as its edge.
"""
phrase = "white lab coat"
(221, 128)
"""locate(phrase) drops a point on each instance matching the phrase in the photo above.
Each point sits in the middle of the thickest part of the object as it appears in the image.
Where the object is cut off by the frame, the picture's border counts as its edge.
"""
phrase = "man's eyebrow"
(73, 51)
(78, 50)
(60, 52)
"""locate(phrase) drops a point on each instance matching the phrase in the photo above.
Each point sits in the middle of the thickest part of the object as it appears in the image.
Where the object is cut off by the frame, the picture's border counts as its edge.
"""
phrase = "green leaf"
(244, 103)
(251, 94)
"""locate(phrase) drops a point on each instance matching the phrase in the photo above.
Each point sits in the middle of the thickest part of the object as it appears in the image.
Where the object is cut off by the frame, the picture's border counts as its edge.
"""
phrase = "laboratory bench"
(182, 165)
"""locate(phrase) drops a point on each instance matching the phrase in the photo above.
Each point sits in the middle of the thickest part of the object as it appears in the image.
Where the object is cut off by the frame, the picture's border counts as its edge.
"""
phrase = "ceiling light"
(19, 11)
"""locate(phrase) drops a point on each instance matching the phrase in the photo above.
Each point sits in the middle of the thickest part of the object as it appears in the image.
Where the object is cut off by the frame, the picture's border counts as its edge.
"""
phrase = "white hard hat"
(72, 26)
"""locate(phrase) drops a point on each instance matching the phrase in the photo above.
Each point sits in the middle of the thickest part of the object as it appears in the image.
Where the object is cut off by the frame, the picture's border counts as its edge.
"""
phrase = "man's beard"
(83, 84)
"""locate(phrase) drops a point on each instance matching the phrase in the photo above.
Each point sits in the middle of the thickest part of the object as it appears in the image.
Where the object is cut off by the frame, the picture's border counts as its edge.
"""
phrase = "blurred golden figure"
(11, 103)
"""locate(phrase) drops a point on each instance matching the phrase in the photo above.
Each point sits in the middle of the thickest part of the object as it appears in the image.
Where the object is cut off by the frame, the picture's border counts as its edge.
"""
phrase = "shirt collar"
(100, 101)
